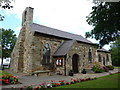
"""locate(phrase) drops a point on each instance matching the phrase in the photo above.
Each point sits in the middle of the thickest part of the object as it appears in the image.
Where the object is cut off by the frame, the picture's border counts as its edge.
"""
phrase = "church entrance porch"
(75, 59)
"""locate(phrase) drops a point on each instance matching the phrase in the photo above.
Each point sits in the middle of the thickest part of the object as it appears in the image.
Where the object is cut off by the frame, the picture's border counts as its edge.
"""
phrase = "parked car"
(6, 62)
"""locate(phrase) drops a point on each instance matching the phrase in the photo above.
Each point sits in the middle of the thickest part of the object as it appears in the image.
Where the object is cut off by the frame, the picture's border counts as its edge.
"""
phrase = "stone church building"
(41, 48)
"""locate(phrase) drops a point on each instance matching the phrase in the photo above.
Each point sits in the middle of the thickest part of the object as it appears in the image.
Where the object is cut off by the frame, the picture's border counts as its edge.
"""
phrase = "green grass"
(109, 81)
(3, 73)
(117, 67)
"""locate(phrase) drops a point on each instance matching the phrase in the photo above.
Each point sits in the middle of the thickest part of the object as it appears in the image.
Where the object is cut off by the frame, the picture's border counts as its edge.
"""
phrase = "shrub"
(72, 82)
(105, 69)
(110, 67)
(97, 68)
(57, 84)
(29, 87)
(81, 80)
(87, 79)
(43, 85)
(83, 71)
(9, 79)
(71, 73)
(53, 83)
(67, 83)
(62, 82)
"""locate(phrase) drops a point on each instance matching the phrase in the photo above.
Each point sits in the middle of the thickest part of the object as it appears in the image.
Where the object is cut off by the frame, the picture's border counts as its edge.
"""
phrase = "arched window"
(99, 57)
(107, 57)
(89, 56)
(46, 54)
(103, 60)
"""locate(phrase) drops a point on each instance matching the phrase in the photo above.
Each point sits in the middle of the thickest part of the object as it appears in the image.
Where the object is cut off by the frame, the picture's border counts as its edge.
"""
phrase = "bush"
(9, 79)
(67, 83)
(97, 68)
(105, 68)
(72, 82)
(110, 67)
(83, 71)
(71, 73)
(62, 82)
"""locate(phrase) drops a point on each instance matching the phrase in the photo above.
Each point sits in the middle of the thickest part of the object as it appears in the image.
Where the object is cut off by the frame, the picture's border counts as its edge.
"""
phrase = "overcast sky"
(66, 15)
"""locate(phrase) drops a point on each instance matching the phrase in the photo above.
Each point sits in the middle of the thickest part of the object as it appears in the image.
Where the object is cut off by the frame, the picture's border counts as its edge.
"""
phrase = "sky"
(66, 15)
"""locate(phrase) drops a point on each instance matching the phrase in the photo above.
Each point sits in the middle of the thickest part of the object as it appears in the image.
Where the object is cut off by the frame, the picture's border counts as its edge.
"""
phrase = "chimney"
(27, 16)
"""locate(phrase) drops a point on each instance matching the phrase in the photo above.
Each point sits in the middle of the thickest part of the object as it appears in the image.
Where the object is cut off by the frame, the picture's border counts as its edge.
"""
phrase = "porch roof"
(64, 48)
(103, 50)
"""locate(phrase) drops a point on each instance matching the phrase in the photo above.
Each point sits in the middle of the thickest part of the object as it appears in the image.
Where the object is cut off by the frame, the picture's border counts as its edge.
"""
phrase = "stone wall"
(104, 55)
(27, 54)
(82, 50)
(18, 52)
(38, 44)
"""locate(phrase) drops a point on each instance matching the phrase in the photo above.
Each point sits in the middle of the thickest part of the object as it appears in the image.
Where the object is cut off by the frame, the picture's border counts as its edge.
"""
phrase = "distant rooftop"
(103, 50)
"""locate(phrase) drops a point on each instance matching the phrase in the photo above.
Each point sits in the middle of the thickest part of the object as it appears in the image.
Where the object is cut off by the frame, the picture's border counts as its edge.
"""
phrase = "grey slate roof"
(58, 33)
(64, 48)
(103, 50)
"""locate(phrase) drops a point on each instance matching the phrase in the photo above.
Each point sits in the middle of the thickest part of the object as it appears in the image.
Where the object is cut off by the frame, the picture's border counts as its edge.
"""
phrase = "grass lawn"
(3, 73)
(109, 81)
(117, 67)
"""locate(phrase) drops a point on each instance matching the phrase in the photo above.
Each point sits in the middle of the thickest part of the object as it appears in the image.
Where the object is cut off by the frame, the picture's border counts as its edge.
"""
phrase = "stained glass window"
(46, 54)
(89, 56)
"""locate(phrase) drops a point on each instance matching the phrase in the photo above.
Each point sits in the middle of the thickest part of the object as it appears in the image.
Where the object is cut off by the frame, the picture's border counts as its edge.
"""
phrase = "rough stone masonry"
(41, 48)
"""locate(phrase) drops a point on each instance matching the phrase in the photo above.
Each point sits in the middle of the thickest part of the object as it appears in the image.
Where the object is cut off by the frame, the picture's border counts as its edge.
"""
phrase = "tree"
(115, 52)
(7, 41)
(105, 19)
(5, 4)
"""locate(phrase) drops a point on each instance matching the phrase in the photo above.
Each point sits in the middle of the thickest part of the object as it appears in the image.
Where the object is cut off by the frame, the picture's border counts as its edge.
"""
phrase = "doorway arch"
(75, 59)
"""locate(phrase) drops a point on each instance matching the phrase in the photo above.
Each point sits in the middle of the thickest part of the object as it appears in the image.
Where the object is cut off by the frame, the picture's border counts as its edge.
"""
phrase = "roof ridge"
(60, 30)
(59, 33)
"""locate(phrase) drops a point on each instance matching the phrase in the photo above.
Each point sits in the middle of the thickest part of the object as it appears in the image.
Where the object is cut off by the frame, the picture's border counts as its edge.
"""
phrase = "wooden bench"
(41, 73)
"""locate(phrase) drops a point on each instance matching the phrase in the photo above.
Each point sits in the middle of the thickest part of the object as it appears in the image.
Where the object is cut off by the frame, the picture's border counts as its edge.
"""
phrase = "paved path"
(36, 80)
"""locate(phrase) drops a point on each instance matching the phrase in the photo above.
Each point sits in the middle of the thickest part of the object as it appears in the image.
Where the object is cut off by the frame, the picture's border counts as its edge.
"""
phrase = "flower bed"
(110, 67)
(8, 79)
(97, 68)
(53, 83)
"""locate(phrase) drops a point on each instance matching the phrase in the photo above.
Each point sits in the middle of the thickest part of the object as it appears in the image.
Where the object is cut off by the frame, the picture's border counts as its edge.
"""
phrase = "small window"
(107, 57)
(99, 57)
(103, 60)
(25, 16)
(59, 62)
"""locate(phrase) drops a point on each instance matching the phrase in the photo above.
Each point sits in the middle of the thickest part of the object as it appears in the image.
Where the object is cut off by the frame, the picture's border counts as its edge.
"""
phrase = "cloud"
(61, 14)
(66, 15)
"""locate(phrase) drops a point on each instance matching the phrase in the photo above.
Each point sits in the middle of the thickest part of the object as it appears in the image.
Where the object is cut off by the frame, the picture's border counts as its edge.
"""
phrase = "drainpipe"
(65, 64)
